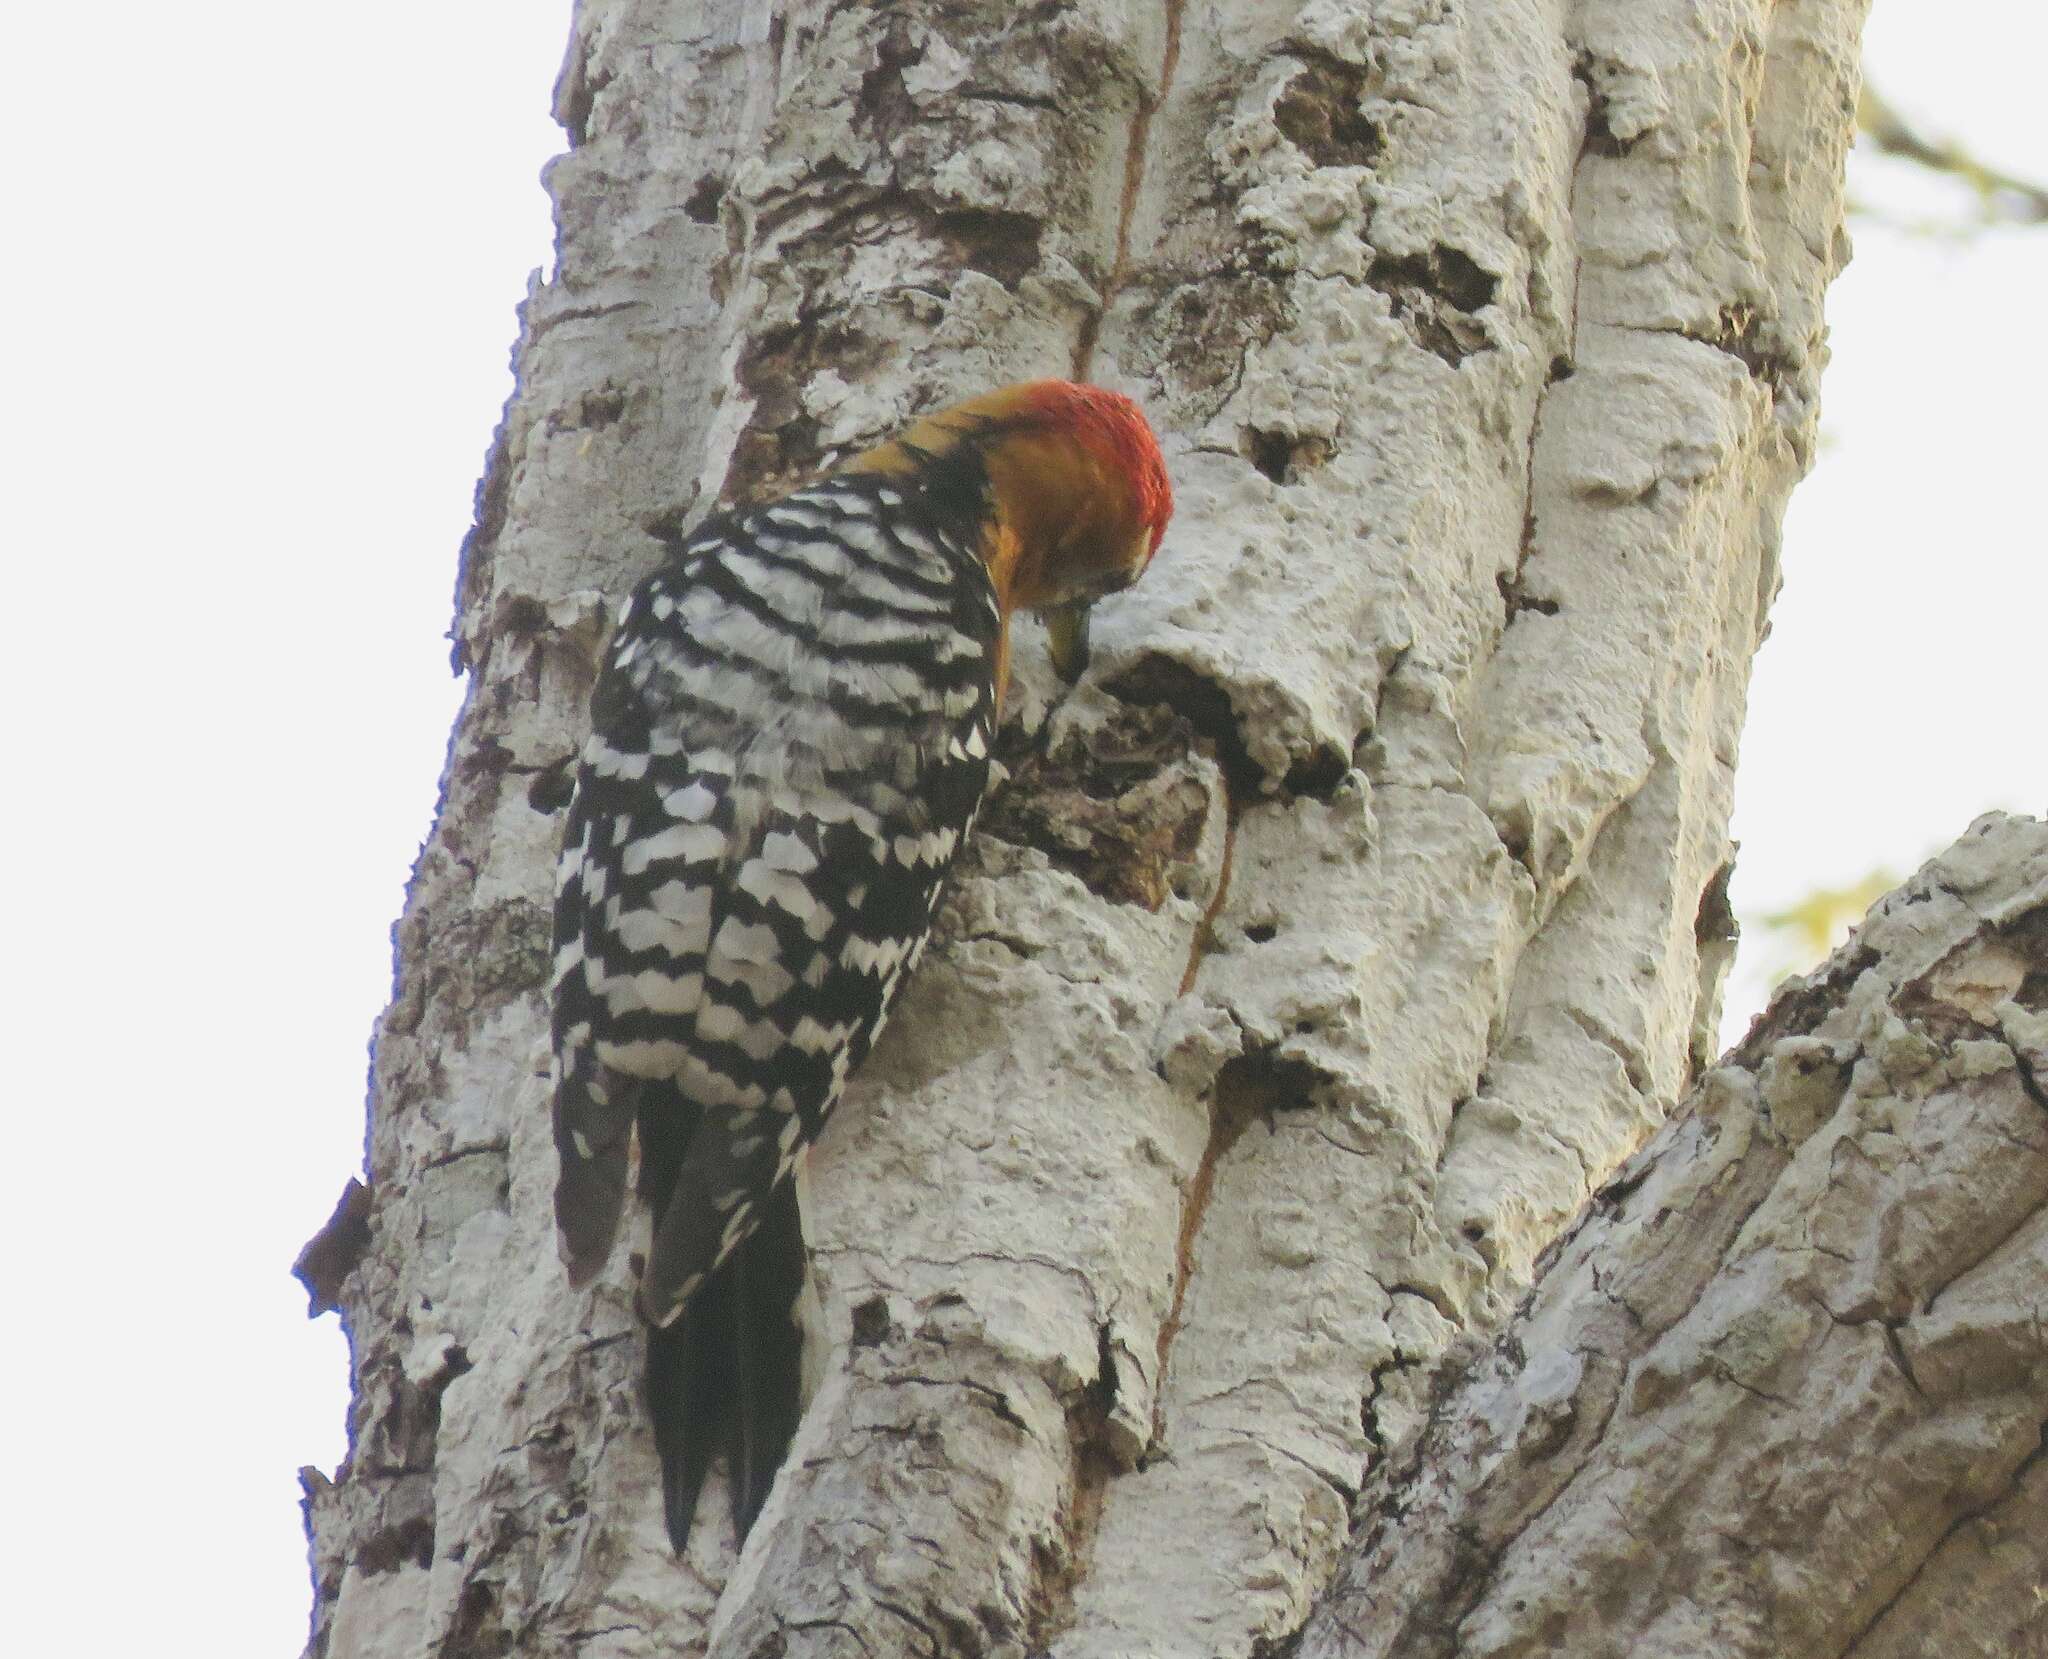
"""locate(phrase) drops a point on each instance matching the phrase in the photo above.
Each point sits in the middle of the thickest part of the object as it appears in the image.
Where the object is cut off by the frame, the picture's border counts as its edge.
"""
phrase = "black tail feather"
(728, 1375)
(768, 1344)
(675, 1355)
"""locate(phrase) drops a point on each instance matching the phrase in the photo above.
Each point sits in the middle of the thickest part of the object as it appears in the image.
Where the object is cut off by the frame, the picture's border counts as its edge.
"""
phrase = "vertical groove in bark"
(1447, 692)
(1135, 158)
(1781, 1391)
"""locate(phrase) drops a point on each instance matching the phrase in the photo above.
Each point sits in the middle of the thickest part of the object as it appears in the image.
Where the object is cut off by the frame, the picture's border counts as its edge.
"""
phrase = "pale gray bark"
(1784, 1389)
(1348, 925)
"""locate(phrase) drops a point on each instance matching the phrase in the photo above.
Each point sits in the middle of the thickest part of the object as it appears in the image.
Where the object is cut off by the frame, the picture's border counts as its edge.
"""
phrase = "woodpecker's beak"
(1066, 628)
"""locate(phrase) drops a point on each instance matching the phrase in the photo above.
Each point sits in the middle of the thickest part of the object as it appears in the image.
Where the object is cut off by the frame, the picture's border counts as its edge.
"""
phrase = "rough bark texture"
(1355, 917)
(1784, 1390)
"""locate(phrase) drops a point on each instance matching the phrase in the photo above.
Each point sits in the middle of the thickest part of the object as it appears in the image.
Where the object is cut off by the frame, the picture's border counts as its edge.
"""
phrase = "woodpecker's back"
(790, 740)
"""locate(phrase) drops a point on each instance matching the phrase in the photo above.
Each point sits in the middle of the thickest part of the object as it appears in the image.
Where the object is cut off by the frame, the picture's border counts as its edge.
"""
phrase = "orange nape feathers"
(1077, 484)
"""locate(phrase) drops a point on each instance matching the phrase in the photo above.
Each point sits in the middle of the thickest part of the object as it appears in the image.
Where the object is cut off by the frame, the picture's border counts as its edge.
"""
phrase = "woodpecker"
(790, 739)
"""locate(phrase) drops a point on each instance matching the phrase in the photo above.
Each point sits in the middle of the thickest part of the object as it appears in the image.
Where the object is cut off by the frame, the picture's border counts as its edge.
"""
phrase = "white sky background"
(260, 302)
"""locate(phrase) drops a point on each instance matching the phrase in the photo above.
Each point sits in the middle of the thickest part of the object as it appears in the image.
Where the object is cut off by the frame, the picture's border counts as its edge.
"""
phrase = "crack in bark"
(1631, 1062)
(1230, 1116)
(826, 1624)
(1348, 1491)
(545, 324)
(1754, 1390)
(1975, 1512)
(2030, 1085)
(485, 1149)
(1900, 1357)
(1203, 940)
(1017, 100)
(1736, 335)
(1064, 1269)
(2024, 1221)
(1149, 102)
(1093, 1464)
(997, 1401)
(899, 1611)
(1562, 367)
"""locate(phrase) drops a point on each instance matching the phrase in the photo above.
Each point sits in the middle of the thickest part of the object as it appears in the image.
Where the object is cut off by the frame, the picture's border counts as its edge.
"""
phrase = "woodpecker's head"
(1077, 489)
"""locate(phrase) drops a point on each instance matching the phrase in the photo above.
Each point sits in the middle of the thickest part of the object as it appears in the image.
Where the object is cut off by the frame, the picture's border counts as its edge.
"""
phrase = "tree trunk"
(1334, 940)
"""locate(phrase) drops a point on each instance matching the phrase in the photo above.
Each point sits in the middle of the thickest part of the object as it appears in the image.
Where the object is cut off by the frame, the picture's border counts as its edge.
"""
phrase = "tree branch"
(1782, 1389)
(2002, 197)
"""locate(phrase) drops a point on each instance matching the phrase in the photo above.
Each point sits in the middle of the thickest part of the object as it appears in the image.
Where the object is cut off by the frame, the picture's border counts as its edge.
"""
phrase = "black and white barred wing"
(818, 933)
(790, 740)
(631, 901)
